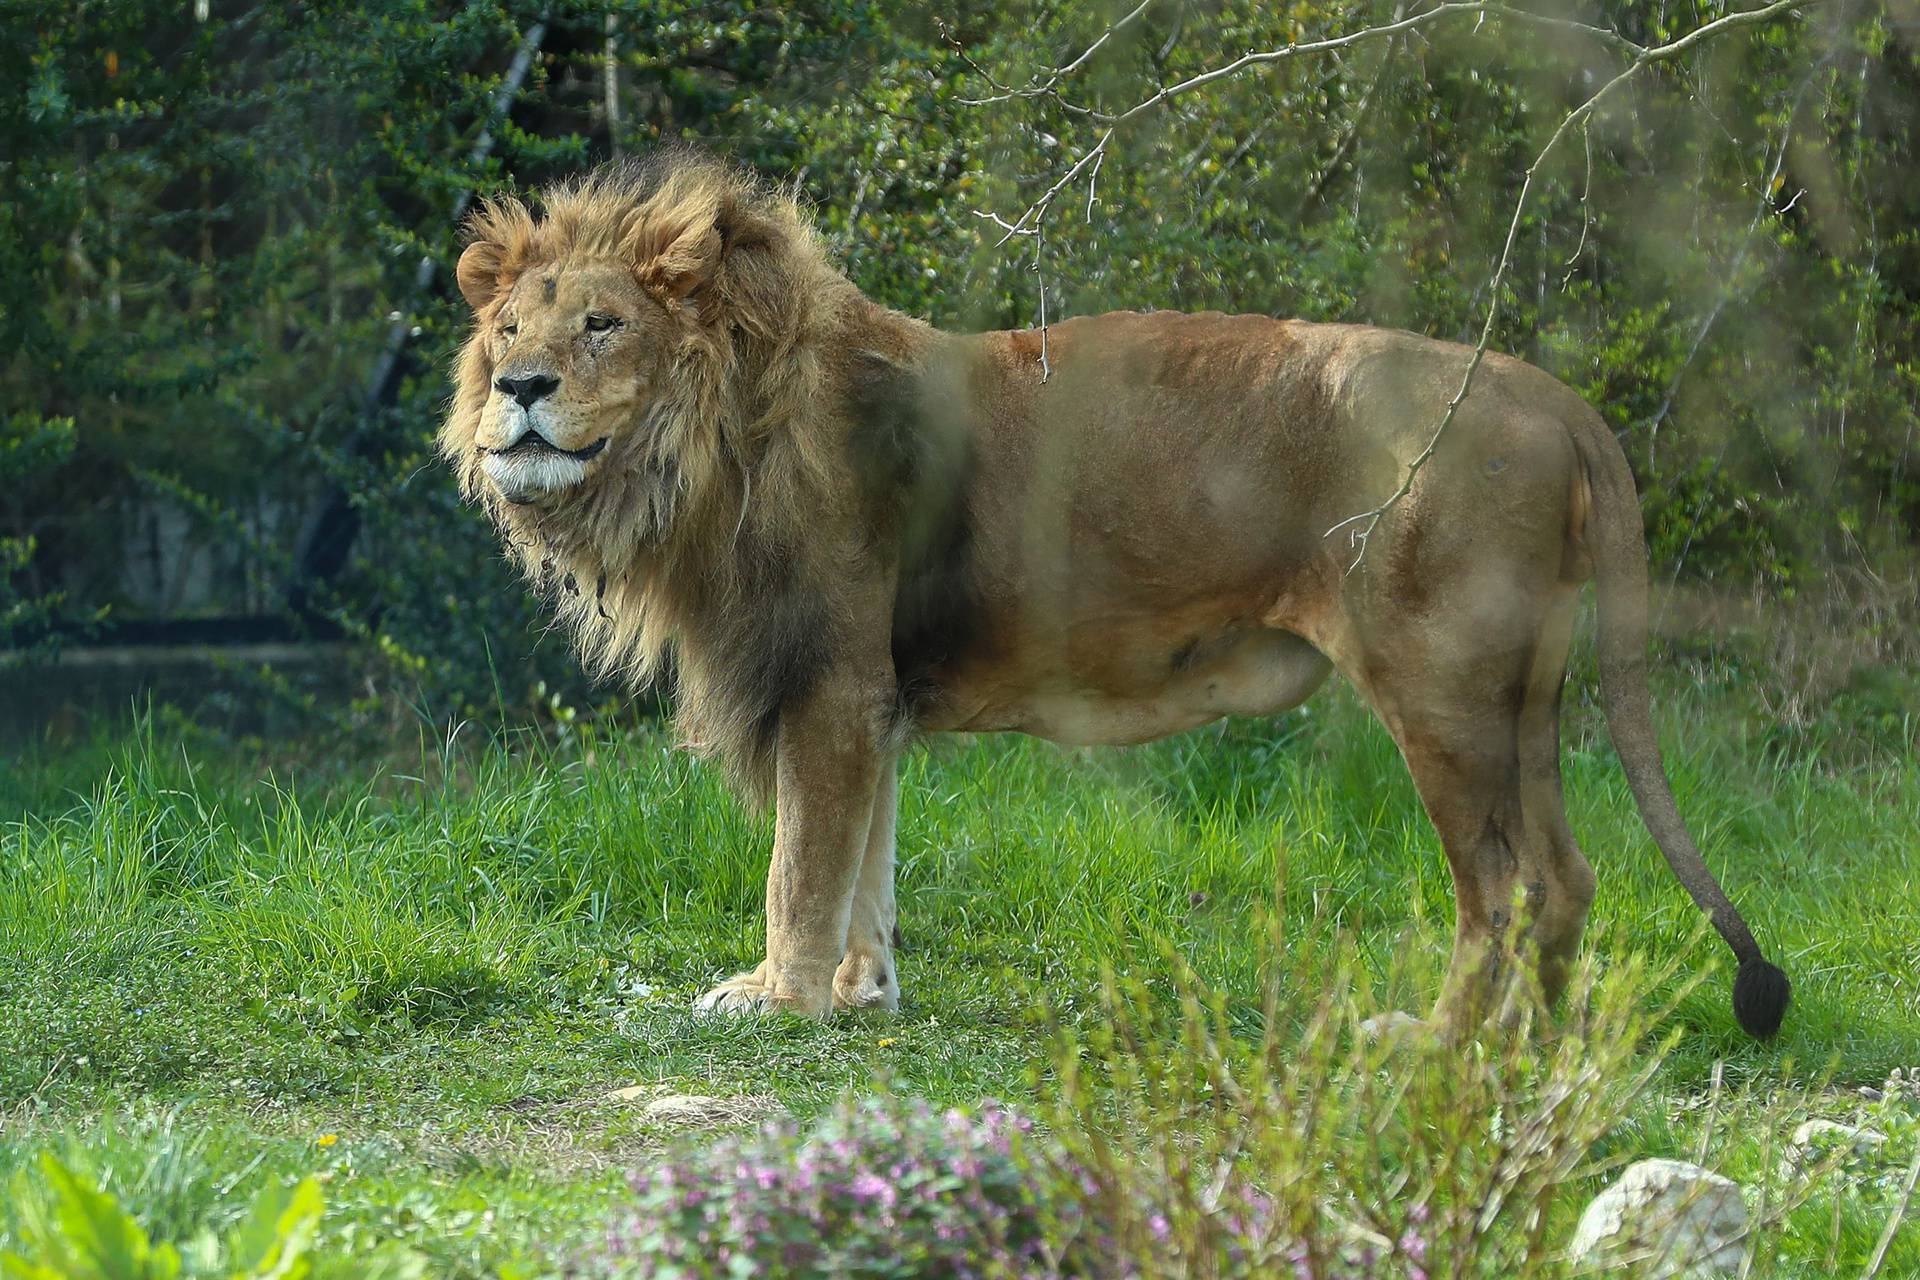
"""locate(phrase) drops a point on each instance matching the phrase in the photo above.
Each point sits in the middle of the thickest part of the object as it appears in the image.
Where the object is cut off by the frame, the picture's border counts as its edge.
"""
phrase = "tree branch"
(1031, 219)
(1362, 525)
(1028, 223)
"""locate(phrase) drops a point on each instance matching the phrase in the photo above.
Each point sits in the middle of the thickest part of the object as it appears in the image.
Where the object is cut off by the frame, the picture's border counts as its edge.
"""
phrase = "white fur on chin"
(522, 476)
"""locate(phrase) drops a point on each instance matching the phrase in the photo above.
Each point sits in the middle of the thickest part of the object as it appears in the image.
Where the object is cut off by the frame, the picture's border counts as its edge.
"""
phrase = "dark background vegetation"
(211, 219)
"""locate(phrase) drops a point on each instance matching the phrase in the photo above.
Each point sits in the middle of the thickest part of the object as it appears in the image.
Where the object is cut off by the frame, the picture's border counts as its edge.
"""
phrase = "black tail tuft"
(1760, 995)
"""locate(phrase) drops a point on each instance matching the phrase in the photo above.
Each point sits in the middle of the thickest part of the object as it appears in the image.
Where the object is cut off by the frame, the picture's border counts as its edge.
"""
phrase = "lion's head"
(612, 330)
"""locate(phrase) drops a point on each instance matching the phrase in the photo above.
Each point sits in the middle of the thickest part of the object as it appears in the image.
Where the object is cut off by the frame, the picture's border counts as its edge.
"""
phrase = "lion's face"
(573, 346)
(597, 383)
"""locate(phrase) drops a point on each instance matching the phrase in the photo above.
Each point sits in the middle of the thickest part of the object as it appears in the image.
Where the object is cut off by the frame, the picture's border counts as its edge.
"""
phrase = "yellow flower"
(886, 1042)
(327, 1139)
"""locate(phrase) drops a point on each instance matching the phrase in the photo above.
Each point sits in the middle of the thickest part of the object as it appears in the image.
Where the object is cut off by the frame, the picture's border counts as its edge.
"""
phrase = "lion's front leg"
(867, 978)
(827, 773)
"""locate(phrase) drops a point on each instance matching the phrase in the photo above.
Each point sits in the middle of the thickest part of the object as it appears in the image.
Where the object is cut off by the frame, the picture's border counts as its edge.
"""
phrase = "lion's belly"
(1135, 695)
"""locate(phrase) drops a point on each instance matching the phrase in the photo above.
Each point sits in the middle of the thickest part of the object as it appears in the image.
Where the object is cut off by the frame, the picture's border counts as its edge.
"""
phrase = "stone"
(1666, 1219)
(1829, 1133)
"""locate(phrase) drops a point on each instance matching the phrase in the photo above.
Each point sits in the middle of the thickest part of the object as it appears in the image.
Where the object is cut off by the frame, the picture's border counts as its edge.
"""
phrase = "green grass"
(450, 962)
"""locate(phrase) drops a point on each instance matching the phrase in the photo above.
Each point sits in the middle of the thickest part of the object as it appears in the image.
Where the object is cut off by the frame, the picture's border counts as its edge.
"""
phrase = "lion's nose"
(527, 390)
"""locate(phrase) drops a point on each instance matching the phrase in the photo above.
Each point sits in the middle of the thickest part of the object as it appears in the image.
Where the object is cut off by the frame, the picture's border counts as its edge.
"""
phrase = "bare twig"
(1038, 210)
(1363, 524)
(1031, 220)
(1239, 153)
(1039, 275)
(1089, 161)
(1352, 135)
(1732, 274)
(1706, 326)
(1586, 210)
(1035, 89)
(1061, 73)
(1713, 1112)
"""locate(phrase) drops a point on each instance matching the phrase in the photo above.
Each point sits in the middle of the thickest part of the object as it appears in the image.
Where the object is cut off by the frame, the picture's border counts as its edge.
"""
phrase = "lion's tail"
(1617, 545)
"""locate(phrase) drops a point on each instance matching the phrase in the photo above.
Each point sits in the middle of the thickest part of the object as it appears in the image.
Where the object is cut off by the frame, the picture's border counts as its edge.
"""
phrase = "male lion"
(834, 525)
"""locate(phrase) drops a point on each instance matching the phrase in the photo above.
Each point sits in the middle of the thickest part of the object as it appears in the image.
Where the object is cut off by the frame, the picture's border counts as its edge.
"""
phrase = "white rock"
(1831, 1133)
(1665, 1218)
(684, 1108)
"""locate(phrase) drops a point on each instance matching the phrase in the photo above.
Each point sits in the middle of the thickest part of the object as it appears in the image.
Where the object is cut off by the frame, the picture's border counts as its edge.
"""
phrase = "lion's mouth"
(533, 444)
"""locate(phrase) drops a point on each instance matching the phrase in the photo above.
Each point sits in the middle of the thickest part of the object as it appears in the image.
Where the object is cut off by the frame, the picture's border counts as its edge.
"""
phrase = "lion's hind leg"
(1468, 785)
(1470, 695)
(867, 978)
(1559, 881)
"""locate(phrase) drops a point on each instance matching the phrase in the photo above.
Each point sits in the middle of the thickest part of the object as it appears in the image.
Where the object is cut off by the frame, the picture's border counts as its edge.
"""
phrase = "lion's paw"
(750, 993)
(866, 981)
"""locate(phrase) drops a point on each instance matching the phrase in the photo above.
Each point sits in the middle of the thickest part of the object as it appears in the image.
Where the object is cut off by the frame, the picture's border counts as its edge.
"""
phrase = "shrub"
(1292, 1140)
(874, 1189)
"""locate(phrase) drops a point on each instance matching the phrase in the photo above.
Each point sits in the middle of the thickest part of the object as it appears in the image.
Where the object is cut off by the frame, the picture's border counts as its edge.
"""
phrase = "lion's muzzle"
(532, 467)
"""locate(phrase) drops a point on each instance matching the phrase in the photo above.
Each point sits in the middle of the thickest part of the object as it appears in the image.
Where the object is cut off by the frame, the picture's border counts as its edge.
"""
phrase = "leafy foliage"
(209, 229)
(73, 1231)
(871, 1189)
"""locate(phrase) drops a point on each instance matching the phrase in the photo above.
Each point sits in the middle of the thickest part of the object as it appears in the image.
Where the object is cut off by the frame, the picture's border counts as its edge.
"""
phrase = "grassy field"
(423, 981)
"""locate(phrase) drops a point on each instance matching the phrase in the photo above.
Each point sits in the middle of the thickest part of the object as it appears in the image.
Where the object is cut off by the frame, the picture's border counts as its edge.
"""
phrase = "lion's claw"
(744, 994)
(865, 982)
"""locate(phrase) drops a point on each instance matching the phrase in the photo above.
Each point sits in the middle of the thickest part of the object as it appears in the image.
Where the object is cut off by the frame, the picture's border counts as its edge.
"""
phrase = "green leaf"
(273, 1241)
(83, 1234)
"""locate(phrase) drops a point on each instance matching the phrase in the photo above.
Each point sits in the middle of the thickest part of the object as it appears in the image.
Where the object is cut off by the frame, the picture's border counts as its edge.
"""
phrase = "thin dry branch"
(1363, 524)
(1037, 211)
(1061, 73)
(1089, 162)
(1031, 220)
(1352, 134)
(1894, 1219)
(1732, 273)
(1037, 87)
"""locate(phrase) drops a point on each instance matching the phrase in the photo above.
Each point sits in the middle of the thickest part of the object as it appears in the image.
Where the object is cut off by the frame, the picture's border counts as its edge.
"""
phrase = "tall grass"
(1302, 1140)
(468, 941)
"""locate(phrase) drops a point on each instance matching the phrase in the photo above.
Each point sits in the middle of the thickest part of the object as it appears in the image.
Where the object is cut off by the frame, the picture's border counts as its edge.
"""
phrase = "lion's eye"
(508, 330)
(600, 324)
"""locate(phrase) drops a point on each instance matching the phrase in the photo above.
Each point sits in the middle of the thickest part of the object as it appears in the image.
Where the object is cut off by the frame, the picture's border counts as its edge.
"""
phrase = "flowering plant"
(873, 1189)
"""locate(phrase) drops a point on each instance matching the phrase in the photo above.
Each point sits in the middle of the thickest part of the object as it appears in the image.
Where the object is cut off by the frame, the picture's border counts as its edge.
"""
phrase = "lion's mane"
(689, 559)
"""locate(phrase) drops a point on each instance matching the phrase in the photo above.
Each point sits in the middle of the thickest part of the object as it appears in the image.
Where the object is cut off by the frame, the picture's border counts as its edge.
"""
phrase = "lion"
(831, 528)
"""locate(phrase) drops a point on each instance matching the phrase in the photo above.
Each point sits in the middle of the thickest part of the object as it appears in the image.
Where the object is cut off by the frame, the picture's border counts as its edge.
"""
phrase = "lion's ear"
(679, 263)
(479, 273)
